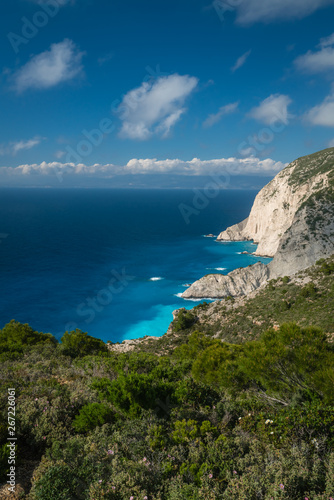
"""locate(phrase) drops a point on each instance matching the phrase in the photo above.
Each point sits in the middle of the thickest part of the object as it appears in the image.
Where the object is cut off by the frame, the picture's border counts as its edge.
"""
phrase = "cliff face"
(292, 220)
(309, 238)
(275, 207)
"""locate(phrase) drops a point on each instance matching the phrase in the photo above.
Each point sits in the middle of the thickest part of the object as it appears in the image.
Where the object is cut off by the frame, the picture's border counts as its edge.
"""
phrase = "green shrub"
(58, 483)
(185, 320)
(134, 392)
(92, 415)
(78, 344)
(309, 291)
(15, 338)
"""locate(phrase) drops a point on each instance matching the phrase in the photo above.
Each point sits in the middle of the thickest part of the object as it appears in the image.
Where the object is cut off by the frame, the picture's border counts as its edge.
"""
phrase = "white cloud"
(272, 110)
(59, 64)
(241, 61)
(155, 107)
(320, 61)
(194, 167)
(266, 11)
(323, 114)
(15, 147)
(216, 117)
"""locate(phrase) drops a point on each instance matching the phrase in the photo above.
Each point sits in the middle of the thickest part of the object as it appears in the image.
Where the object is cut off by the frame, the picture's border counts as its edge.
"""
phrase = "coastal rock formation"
(309, 238)
(292, 220)
(276, 205)
(239, 282)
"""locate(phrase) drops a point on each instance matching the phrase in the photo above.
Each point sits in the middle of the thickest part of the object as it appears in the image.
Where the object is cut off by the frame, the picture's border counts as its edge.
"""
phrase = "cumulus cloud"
(272, 110)
(320, 61)
(241, 61)
(216, 117)
(194, 167)
(266, 11)
(15, 147)
(323, 114)
(61, 63)
(155, 107)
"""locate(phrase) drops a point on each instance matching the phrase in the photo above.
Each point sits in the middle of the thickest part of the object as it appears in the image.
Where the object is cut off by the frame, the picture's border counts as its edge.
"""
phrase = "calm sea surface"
(110, 262)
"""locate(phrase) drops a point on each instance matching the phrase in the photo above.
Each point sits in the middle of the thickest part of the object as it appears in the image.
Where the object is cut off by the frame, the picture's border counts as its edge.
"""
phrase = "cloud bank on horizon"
(218, 167)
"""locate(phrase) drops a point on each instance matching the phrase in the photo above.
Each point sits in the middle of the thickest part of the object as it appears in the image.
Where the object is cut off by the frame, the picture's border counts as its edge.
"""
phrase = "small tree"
(78, 344)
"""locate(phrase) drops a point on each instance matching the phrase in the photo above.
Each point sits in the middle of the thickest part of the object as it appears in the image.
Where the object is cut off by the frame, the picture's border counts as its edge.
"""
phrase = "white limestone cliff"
(273, 211)
(292, 220)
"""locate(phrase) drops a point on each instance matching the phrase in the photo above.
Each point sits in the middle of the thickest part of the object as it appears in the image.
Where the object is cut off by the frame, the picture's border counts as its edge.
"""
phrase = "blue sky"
(113, 93)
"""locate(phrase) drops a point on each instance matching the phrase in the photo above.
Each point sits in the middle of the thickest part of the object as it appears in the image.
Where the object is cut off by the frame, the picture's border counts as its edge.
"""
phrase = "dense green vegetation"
(312, 166)
(248, 418)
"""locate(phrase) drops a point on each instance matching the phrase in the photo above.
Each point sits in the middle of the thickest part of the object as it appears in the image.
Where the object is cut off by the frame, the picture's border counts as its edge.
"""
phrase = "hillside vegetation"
(235, 402)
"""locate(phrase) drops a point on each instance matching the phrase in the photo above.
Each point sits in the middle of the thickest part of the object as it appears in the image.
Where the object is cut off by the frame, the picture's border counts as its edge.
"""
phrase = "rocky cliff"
(239, 282)
(291, 220)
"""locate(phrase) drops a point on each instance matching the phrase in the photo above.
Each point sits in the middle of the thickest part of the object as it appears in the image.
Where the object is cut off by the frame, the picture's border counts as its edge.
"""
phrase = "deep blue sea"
(91, 259)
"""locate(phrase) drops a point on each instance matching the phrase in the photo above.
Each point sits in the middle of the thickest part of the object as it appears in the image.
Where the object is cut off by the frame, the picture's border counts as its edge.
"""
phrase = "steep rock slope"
(292, 220)
(276, 204)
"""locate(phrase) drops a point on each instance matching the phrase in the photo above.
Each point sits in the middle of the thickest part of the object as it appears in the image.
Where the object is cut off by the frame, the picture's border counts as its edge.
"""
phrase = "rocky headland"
(292, 220)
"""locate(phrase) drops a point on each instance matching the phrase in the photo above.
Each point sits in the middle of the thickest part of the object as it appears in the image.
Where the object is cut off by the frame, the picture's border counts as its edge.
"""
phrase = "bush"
(134, 392)
(92, 415)
(15, 338)
(79, 344)
(185, 320)
(309, 291)
(58, 483)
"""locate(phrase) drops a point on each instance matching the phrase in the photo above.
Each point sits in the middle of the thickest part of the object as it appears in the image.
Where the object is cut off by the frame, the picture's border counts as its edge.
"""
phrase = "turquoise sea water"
(110, 262)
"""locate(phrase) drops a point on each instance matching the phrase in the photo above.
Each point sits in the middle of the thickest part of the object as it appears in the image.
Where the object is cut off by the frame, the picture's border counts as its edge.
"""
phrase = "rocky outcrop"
(292, 220)
(239, 282)
(131, 345)
(309, 238)
(277, 203)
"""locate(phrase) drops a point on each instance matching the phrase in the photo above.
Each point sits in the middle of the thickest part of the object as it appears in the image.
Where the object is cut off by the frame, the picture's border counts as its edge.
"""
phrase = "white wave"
(217, 268)
(179, 295)
(156, 278)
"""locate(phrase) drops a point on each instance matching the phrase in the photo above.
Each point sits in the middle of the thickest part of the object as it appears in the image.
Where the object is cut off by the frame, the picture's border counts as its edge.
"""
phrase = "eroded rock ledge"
(239, 282)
